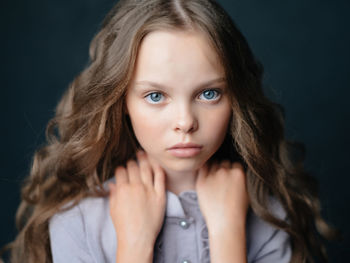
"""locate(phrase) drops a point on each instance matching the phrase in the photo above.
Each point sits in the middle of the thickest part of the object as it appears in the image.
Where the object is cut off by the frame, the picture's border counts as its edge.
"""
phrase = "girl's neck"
(178, 182)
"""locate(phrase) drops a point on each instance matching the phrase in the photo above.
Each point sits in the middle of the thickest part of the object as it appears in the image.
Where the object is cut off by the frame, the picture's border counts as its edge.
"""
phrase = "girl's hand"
(137, 202)
(222, 195)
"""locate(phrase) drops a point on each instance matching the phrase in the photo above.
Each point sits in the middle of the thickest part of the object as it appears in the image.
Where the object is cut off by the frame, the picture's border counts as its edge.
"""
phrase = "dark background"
(304, 46)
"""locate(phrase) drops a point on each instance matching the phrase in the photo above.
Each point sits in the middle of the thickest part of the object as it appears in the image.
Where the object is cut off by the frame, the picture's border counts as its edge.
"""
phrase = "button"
(185, 261)
(184, 224)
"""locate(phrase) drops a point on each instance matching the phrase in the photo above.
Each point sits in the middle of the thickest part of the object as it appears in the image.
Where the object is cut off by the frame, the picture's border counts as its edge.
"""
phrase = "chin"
(184, 165)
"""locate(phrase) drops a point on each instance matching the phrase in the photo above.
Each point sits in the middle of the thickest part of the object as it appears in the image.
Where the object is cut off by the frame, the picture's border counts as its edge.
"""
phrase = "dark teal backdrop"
(304, 46)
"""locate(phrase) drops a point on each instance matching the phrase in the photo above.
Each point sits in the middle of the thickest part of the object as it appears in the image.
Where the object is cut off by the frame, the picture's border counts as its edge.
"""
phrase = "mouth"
(185, 151)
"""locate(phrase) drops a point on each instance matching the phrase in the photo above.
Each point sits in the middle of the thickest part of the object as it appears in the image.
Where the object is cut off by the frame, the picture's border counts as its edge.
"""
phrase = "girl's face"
(178, 95)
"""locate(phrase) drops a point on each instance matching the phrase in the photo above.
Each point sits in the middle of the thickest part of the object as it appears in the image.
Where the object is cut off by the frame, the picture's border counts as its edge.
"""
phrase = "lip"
(185, 149)
(185, 145)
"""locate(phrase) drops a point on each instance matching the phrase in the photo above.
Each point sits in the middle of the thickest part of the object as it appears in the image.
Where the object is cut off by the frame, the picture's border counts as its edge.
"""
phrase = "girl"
(165, 149)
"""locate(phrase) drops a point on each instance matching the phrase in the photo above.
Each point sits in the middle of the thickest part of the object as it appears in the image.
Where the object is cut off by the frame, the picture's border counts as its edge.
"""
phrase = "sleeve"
(276, 249)
(68, 237)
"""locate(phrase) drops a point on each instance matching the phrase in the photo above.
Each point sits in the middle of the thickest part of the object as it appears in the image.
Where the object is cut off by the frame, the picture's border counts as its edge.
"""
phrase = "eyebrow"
(161, 86)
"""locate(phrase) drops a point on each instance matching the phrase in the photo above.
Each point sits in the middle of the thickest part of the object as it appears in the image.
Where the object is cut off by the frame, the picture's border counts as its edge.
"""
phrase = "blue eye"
(210, 94)
(154, 96)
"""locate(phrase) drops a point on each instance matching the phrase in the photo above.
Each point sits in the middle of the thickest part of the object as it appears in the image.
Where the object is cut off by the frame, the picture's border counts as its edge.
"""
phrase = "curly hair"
(90, 133)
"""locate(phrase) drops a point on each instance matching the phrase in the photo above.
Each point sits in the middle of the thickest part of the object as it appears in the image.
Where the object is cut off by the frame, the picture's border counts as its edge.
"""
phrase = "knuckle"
(139, 187)
(225, 162)
(238, 168)
(131, 164)
(122, 189)
(144, 162)
(237, 165)
(140, 155)
(221, 170)
(119, 169)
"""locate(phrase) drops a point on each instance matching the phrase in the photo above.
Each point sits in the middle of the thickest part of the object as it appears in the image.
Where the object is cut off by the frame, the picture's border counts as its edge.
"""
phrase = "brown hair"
(90, 134)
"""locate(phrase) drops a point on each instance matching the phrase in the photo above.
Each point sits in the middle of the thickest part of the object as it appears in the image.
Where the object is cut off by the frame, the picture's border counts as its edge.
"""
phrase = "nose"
(186, 120)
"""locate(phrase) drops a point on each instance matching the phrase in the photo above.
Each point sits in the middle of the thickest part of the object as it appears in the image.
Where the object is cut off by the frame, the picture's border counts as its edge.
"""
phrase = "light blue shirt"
(85, 233)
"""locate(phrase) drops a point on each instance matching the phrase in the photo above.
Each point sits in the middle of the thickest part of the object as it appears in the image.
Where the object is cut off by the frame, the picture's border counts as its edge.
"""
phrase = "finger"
(159, 176)
(202, 172)
(121, 176)
(133, 171)
(238, 167)
(159, 179)
(213, 168)
(226, 164)
(111, 187)
(145, 168)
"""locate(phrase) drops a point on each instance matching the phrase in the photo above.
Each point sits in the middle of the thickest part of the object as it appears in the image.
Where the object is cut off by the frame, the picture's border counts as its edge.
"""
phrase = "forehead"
(170, 55)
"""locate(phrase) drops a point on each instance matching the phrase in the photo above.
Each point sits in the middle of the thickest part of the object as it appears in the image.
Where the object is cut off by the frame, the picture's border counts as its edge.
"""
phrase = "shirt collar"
(174, 207)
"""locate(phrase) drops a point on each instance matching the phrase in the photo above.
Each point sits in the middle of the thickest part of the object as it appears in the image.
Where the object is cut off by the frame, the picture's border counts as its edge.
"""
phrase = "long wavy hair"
(90, 133)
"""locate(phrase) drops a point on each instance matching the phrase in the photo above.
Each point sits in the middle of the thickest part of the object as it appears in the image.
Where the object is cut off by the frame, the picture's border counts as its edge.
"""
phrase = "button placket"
(204, 232)
(158, 255)
(190, 198)
(193, 196)
(205, 255)
(186, 222)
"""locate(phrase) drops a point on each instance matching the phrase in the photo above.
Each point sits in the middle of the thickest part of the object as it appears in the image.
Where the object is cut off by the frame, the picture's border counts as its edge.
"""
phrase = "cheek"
(216, 123)
(147, 125)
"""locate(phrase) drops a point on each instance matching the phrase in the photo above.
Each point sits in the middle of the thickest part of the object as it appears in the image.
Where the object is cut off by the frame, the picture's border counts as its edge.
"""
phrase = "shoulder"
(76, 221)
(264, 239)
(67, 232)
(89, 216)
(257, 224)
(86, 210)
(86, 225)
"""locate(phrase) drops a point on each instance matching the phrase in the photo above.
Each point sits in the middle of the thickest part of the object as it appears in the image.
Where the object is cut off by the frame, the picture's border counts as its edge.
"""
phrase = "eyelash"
(217, 91)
